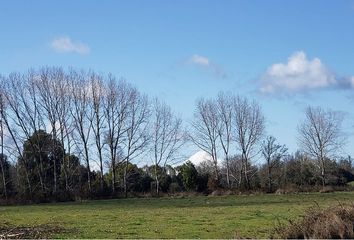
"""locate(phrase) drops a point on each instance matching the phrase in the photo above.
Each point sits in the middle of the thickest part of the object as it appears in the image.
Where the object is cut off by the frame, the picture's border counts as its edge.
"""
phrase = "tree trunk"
(270, 190)
(157, 187)
(323, 172)
(247, 181)
(101, 169)
(323, 177)
(125, 179)
(113, 177)
(55, 178)
(3, 174)
(41, 171)
(2, 153)
(245, 161)
(55, 175)
(88, 169)
(157, 182)
(28, 180)
(227, 172)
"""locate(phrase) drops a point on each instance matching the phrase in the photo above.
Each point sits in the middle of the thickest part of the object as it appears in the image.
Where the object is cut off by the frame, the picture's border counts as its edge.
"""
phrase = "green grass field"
(253, 216)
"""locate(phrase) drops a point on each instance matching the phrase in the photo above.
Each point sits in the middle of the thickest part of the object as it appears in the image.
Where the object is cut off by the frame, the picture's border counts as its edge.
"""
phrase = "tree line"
(68, 134)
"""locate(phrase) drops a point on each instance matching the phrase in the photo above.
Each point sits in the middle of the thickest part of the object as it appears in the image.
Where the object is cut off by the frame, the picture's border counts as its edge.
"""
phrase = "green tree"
(42, 155)
(189, 176)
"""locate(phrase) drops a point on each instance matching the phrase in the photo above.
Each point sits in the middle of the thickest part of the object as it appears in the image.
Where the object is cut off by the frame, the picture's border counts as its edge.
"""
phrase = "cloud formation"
(204, 62)
(297, 74)
(199, 60)
(66, 45)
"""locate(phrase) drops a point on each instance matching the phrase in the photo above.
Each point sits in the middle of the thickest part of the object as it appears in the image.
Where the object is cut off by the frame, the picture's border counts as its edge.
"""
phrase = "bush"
(174, 187)
(327, 189)
(329, 223)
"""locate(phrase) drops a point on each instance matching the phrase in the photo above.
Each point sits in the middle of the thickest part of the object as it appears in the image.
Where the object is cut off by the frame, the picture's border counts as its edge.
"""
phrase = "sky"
(287, 55)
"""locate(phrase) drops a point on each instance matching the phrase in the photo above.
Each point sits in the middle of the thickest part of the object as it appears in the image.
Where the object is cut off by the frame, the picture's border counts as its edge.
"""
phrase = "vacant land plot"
(253, 216)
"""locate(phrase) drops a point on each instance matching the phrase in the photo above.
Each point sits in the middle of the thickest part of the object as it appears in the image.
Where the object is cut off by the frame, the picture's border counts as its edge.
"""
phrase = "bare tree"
(272, 152)
(2, 109)
(236, 166)
(248, 128)
(136, 134)
(24, 119)
(320, 135)
(82, 116)
(225, 115)
(54, 90)
(205, 130)
(98, 127)
(49, 83)
(167, 137)
(116, 103)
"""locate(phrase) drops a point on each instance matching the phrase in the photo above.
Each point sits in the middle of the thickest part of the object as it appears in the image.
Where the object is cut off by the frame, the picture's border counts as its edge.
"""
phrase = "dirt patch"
(36, 232)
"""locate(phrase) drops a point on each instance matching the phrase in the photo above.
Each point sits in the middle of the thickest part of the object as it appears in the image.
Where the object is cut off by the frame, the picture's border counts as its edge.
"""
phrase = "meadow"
(249, 216)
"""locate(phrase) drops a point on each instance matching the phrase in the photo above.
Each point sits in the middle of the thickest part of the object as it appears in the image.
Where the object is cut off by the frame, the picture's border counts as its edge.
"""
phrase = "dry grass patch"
(32, 232)
(330, 223)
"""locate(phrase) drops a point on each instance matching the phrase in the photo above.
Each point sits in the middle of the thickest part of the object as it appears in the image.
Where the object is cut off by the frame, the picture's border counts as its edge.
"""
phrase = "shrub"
(327, 189)
(329, 223)
(174, 187)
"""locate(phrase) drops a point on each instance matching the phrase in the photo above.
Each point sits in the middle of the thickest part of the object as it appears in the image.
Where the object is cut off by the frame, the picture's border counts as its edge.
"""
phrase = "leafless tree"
(24, 119)
(64, 124)
(82, 116)
(248, 128)
(320, 135)
(167, 137)
(272, 152)
(2, 109)
(116, 104)
(98, 126)
(49, 83)
(236, 166)
(205, 130)
(136, 134)
(225, 115)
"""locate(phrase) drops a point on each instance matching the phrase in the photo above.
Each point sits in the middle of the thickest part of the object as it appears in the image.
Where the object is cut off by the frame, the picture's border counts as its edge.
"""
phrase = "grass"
(253, 216)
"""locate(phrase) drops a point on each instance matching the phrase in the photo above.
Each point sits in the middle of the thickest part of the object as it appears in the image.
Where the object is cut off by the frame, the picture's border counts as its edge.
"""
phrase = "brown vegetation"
(38, 232)
(330, 223)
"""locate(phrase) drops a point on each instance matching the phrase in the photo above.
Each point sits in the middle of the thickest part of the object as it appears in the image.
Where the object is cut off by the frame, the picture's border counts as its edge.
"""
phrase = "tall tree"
(225, 114)
(205, 130)
(98, 126)
(23, 118)
(116, 103)
(2, 163)
(64, 127)
(82, 116)
(136, 135)
(272, 153)
(48, 82)
(167, 137)
(248, 128)
(320, 135)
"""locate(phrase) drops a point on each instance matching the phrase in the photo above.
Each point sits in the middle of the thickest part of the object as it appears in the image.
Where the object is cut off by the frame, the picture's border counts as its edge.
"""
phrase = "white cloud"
(66, 45)
(205, 63)
(351, 82)
(297, 74)
(199, 60)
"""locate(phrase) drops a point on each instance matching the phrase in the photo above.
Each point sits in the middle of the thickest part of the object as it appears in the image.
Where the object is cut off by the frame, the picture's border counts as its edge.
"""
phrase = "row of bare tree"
(98, 118)
(233, 125)
(109, 122)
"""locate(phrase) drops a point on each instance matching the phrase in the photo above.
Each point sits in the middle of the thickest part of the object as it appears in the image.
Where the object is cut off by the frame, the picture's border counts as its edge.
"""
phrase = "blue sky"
(285, 54)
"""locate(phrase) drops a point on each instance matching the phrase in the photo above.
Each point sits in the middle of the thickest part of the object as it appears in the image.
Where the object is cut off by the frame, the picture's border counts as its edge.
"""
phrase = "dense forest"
(68, 135)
